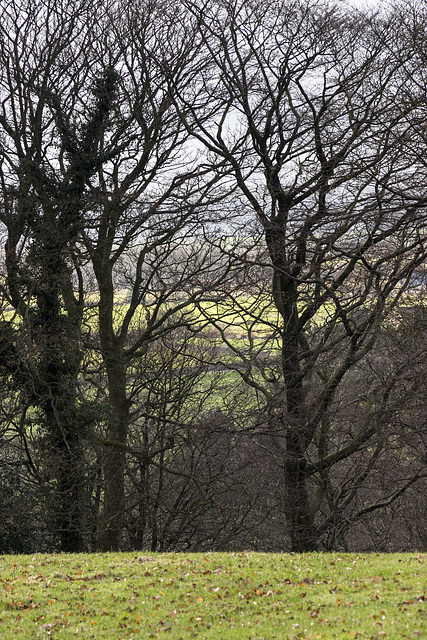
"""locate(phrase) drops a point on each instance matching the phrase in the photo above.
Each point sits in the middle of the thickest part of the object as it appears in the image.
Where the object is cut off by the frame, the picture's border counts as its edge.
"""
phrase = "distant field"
(215, 596)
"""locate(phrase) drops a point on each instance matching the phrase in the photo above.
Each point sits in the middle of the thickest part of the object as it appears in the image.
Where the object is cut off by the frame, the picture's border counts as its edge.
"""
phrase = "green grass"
(217, 596)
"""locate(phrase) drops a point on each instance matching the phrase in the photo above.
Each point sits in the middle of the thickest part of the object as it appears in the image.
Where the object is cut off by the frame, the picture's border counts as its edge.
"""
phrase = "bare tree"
(145, 233)
(97, 173)
(318, 126)
(47, 156)
(156, 159)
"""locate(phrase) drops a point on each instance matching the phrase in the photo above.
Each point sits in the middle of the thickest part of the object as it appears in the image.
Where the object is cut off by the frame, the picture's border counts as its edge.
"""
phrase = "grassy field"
(217, 596)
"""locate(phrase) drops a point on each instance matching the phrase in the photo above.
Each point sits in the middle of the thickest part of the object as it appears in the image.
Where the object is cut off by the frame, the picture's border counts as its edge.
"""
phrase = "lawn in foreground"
(218, 596)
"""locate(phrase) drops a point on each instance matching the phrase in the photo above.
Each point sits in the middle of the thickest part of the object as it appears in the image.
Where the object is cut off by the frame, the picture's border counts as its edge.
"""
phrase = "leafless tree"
(146, 233)
(319, 126)
(165, 167)
(44, 84)
(97, 175)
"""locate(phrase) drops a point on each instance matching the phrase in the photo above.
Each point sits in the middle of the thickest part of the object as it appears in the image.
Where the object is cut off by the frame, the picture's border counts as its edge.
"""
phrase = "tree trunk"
(56, 332)
(297, 504)
(70, 497)
(114, 458)
(295, 427)
(111, 523)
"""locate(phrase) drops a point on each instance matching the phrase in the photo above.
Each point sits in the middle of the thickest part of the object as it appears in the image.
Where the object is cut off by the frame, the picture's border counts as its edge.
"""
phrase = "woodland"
(212, 276)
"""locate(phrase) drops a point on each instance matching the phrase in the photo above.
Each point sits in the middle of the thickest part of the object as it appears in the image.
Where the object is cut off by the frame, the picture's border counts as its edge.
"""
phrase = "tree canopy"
(214, 220)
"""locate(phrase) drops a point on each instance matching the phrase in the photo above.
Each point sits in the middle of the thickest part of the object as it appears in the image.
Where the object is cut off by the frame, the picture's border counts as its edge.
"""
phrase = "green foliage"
(227, 596)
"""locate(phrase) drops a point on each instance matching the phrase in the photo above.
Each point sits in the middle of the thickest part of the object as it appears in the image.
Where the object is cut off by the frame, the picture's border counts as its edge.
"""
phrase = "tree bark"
(114, 458)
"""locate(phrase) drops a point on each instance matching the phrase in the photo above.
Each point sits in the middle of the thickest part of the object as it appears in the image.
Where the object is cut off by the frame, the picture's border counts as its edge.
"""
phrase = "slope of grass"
(214, 596)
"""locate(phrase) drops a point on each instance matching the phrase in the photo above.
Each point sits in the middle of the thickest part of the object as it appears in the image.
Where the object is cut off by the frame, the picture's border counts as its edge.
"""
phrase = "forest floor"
(215, 596)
